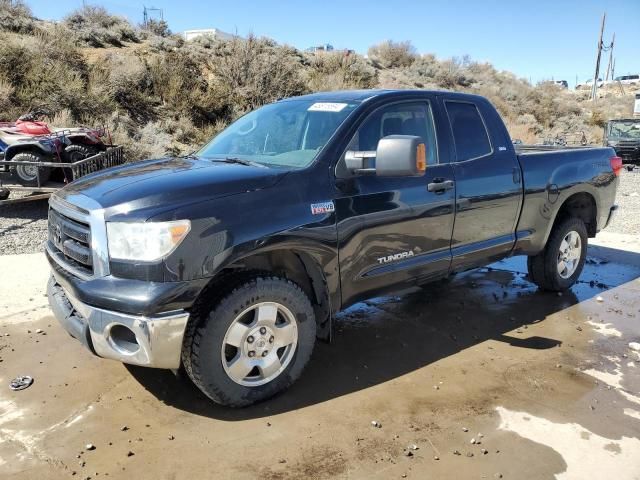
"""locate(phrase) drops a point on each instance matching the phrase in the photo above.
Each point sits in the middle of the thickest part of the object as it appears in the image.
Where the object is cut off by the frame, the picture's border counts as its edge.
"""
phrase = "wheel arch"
(580, 205)
(293, 264)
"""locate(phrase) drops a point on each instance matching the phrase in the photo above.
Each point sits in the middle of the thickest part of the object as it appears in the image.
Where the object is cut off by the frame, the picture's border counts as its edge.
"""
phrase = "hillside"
(161, 95)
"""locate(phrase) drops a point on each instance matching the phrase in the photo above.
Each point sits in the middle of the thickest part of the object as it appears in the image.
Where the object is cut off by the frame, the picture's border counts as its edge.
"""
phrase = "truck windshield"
(283, 134)
(624, 130)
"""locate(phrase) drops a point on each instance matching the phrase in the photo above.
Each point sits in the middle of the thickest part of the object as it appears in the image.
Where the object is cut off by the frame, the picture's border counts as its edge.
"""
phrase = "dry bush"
(124, 80)
(159, 28)
(6, 100)
(339, 71)
(390, 54)
(95, 27)
(254, 71)
(16, 16)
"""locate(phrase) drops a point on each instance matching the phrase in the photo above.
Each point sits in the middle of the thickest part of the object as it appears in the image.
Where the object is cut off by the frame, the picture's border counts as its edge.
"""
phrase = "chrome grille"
(72, 240)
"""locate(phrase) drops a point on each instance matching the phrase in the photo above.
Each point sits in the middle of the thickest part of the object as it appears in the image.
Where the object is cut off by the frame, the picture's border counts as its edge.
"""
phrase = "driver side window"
(398, 119)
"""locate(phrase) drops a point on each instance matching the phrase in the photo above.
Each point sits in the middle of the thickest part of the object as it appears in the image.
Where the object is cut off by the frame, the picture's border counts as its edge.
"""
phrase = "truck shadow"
(386, 337)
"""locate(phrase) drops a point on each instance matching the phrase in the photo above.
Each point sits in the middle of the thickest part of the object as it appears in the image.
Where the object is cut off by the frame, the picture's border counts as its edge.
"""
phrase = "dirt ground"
(546, 385)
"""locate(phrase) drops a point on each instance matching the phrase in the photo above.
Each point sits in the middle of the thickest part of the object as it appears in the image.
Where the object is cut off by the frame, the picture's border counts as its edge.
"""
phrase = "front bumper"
(150, 341)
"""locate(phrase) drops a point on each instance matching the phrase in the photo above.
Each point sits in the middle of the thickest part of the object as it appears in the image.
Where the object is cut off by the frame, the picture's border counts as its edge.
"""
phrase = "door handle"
(440, 185)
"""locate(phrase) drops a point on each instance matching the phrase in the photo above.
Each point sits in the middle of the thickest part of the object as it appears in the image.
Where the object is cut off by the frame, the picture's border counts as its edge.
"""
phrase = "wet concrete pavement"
(546, 384)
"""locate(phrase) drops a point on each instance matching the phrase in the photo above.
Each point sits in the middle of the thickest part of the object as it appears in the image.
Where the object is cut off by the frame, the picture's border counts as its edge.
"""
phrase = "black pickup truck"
(230, 262)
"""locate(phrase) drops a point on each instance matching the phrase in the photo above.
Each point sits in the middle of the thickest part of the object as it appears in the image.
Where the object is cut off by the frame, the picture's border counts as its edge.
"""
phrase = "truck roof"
(360, 96)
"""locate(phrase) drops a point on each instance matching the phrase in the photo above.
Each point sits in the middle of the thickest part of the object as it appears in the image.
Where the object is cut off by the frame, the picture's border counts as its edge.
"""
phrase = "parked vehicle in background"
(34, 149)
(82, 141)
(588, 83)
(628, 79)
(231, 261)
(562, 83)
(623, 136)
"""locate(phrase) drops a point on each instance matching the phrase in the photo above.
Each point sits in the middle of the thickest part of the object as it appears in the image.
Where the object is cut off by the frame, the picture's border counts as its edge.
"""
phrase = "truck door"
(394, 232)
(488, 185)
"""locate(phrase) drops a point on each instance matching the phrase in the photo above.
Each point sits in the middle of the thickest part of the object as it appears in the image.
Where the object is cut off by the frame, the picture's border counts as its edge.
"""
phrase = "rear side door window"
(469, 131)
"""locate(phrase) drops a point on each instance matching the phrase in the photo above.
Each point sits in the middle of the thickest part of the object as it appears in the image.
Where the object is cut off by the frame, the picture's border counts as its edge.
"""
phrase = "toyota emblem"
(58, 235)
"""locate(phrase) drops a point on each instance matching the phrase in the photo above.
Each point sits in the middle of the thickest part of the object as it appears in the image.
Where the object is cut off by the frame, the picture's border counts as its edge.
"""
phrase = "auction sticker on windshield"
(327, 107)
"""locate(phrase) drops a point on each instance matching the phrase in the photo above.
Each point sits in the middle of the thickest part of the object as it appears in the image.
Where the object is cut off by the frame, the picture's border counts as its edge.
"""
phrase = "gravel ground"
(23, 227)
(627, 219)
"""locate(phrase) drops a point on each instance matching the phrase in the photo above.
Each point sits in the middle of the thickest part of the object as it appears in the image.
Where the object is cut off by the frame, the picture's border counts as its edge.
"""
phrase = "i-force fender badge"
(322, 207)
(395, 257)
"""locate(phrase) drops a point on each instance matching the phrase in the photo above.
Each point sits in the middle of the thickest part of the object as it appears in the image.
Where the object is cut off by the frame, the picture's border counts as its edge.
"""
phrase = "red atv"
(83, 141)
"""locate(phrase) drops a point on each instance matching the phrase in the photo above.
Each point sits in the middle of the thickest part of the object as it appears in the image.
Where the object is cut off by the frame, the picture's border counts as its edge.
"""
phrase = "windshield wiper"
(238, 161)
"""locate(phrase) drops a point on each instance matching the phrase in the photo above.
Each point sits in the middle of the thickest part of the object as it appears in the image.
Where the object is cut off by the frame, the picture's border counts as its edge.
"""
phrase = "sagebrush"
(161, 95)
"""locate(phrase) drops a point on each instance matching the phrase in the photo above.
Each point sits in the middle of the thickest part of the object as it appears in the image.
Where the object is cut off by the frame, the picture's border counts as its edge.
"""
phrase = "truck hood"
(170, 182)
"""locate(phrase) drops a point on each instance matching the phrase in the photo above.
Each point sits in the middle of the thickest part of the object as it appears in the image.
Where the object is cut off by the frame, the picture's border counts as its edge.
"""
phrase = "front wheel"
(253, 344)
(560, 264)
(27, 175)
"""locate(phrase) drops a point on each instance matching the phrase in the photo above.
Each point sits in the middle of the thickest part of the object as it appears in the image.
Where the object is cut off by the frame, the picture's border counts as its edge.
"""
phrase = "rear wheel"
(560, 264)
(73, 153)
(27, 175)
(252, 344)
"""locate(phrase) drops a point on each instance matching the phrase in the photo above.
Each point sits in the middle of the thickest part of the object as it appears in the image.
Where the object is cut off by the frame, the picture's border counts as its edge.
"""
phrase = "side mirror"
(396, 156)
(401, 156)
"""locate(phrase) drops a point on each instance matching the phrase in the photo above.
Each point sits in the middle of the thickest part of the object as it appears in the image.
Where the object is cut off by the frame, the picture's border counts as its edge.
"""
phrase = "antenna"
(610, 65)
(594, 86)
(151, 13)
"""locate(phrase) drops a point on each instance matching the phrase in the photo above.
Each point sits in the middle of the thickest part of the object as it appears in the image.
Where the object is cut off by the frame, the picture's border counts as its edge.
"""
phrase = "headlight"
(146, 241)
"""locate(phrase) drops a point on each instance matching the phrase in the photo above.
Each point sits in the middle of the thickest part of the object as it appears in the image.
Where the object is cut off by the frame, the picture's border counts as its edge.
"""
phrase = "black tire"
(204, 337)
(26, 175)
(73, 153)
(4, 193)
(543, 268)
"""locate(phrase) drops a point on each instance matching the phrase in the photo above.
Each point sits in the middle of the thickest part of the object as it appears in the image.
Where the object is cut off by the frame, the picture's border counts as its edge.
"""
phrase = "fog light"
(123, 339)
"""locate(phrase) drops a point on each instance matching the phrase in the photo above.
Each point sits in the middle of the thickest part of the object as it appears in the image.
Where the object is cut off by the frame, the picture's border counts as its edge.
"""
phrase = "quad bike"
(83, 141)
(34, 149)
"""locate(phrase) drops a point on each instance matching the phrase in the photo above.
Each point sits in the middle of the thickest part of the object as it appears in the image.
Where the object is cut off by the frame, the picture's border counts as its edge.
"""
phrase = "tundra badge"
(395, 256)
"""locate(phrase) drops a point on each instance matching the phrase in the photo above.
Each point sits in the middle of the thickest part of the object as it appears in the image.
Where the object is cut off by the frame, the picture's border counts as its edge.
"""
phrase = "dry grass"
(161, 95)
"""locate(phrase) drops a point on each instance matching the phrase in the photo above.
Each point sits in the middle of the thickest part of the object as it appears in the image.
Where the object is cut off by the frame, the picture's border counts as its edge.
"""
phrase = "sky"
(535, 39)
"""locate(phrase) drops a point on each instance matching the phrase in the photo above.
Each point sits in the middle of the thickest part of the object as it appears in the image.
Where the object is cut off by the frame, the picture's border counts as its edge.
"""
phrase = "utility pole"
(594, 86)
(610, 65)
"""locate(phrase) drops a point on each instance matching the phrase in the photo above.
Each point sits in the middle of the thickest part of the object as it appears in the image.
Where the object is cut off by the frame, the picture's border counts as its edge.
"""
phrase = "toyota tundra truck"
(229, 263)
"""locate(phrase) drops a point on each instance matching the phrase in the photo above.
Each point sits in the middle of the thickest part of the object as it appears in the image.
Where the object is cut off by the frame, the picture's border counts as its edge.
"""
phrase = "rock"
(465, 429)
(171, 437)
(469, 454)
(39, 330)
(599, 299)
(484, 451)
(436, 457)
(130, 453)
(634, 346)
(376, 424)
(436, 387)
(282, 460)
(124, 428)
(408, 453)
(579, 328)
(558, 365)
(413, 447)
(497, 475)
(480, 435)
